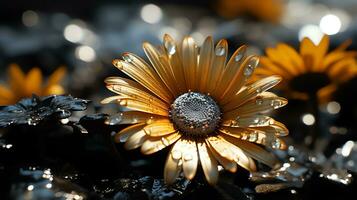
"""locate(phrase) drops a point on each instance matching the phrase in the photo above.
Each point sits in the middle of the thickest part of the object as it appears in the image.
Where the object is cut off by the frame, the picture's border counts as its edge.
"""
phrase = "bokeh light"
(312, 32)
(151, 13)
(85, 53)
(330, 24)
(308, 119)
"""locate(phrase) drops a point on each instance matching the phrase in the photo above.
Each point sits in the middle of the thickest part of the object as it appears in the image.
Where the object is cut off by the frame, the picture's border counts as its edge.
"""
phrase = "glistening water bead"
(195, 114)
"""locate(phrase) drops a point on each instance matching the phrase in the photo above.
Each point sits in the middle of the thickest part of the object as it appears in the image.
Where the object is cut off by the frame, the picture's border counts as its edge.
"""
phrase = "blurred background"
(83, 37)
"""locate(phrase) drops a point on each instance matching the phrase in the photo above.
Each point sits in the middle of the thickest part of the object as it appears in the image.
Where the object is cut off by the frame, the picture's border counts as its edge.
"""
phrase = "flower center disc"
(195, 114)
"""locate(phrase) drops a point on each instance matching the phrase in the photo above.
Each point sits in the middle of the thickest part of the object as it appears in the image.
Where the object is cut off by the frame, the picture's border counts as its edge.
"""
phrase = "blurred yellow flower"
(264, 10)
(196, 100)
(312, 71)
(22, 85)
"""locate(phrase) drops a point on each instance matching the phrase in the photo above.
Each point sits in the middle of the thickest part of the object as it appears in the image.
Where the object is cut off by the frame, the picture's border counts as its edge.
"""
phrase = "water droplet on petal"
(259, 101)
(258, 90)
(32, 122)
(123, 102)
(176, 154)
(115, 119)
(170, 47)
(128, 58)
(276, 104)
(220, 51)
(276, 144)
(117, 63)
(248, 71)
(239, 56)
(252, 64)
(253, 137)
(187, 157)
(165, 141)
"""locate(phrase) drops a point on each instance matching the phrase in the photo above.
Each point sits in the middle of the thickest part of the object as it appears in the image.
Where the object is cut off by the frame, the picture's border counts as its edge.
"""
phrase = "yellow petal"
(135, 140)
(162, 67)
(189, 62)
(255, 135)
(142, 106)
(16, 80)
(268, 67)
(219, 62)
(6, 97)
(235, 73)
(253, 150)
(293, 56)
(281, 59)
(54, 89)
(205, 63)
(249, 121)
(123, 135)
(334, 57)
(307, 51)
(320, 53)
(134, 117)
(229, 151)
(274, 128)
(263, 103)
(189, 158)
(208, 162)
(227, 164)
(173, 164)
(250, 135)
(161, 128)
(175, 62)
(33, 82)
(54, 80)
(127, 88)
(251, 91)
(152, 145)
(141, 76)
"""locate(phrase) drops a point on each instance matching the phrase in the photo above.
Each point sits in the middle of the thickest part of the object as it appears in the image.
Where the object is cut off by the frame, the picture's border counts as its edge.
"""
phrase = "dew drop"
(248, 71)
(253, 137)
(258, 90)
(276, 104)
(176, 154)
(32, 122)
(252, 64)
(276, 144)
(128, 58)
(220, 51)
(117, 63)
(187, 157)
(170, 47)
(165, 141)
(115, 119)
(259, 101)
(239, 56)
(123, 102)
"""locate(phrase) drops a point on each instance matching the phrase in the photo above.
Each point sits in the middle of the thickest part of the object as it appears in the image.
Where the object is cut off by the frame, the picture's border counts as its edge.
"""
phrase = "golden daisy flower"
(265, 10)
(312, 71)
(21, 85)
(196, 101)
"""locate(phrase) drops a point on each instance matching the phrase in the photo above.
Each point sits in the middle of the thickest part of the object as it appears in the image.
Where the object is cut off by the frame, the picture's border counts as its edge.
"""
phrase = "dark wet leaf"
(32, 183)
(145, 187)
(33, 110)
